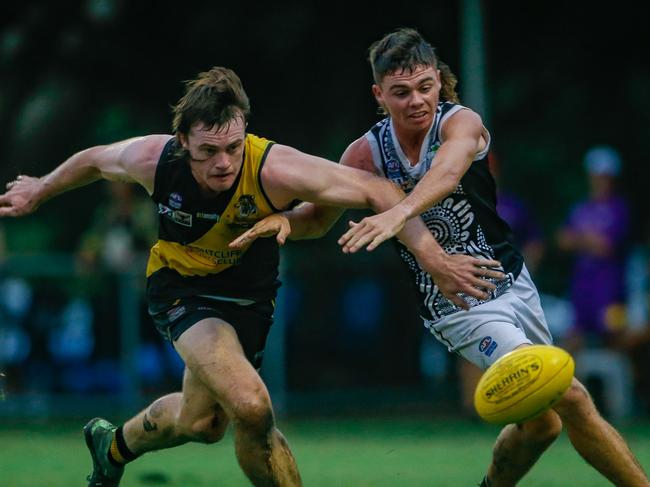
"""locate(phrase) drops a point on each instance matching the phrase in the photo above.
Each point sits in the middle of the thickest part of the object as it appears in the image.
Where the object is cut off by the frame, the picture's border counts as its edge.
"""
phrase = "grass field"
(355, 452)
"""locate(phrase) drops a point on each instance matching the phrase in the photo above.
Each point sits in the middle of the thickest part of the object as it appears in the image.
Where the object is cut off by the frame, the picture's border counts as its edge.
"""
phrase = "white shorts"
(490, 330)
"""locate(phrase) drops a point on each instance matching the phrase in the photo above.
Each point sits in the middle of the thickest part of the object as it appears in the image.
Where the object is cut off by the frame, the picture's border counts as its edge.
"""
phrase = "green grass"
(355, 452)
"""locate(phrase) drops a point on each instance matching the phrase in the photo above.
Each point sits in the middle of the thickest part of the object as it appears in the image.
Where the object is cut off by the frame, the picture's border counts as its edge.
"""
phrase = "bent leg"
(519, 446)
(193, 415)
(597, 441)
(211, 350)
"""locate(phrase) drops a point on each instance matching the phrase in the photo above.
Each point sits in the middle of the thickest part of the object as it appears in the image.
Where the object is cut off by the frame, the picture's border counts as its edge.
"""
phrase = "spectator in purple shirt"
(597, 231)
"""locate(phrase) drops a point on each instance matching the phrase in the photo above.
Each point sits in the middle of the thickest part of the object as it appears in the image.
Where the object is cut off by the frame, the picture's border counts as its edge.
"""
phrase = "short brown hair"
(404, 49)
(215, 97)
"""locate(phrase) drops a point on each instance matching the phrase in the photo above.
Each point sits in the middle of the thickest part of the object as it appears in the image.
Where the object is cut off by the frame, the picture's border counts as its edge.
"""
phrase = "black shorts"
(251, 322)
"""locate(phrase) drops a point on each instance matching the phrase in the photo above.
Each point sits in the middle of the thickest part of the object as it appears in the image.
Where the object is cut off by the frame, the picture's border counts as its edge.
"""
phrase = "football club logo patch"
(246, 206)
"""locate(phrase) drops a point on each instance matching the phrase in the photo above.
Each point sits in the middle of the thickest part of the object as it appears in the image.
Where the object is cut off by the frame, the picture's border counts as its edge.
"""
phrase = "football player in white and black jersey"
(436, 150)
(211, 181)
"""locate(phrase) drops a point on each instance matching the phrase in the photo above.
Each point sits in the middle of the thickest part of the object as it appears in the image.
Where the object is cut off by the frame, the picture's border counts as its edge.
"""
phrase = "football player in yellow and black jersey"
(436, 150)
(211, 182)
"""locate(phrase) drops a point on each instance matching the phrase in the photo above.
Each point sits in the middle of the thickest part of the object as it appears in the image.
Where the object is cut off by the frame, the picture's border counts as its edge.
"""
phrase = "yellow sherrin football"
(523, 384)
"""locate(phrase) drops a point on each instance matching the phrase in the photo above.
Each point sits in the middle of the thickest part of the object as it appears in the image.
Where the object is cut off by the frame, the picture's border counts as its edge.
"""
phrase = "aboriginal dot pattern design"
(454, 221)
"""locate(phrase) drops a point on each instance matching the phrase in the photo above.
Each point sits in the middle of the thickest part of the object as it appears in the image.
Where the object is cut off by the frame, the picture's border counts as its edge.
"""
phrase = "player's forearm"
(450, 164)
(429, 191)
(419, 240)
(415, 234)
(79, 170)
(382, 194)
(311, 221)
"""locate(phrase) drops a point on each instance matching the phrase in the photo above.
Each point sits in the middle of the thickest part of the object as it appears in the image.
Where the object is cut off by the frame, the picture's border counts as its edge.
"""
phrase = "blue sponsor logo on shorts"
(485, 342)
(487, 346)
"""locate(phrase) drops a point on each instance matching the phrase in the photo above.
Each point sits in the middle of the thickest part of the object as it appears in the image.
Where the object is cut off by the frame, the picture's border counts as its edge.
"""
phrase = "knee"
(254, 414)
(575, 401)
(543, 429)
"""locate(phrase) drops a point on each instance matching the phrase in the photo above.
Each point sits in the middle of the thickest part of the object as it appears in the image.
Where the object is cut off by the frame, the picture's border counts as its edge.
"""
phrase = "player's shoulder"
(147, 148)
(462, 122)
(462, 114)
(141, 156)
(359, 155)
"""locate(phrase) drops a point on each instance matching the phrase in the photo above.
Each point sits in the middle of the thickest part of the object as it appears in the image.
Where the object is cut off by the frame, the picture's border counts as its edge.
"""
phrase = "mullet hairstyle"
(405, 49)
(215, 97)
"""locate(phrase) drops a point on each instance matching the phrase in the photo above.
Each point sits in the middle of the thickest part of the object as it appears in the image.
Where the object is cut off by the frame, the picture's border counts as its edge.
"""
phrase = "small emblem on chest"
(176, 216)
(175, 200)
(246, 206)
(207, 216)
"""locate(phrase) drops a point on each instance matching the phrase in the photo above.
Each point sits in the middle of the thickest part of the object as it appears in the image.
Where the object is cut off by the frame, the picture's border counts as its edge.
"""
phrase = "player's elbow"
(383, 197)
(318, 228)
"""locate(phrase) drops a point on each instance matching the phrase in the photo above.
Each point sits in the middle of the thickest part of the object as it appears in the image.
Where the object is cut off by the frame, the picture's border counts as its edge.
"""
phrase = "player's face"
(216, 153)
(410, 97)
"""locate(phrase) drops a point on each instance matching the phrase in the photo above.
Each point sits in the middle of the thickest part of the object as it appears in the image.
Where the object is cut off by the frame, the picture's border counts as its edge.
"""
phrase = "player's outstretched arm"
(453, 274)
(132, 160)
(289, 174)
(309, 220)
(463, 136)
(305, 221)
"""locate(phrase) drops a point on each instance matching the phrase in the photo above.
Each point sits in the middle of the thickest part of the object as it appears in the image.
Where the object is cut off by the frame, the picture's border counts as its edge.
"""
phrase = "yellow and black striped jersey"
(191, 256)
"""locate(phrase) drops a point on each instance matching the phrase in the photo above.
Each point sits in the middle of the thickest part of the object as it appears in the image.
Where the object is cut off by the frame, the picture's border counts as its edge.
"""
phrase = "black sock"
(119, 454)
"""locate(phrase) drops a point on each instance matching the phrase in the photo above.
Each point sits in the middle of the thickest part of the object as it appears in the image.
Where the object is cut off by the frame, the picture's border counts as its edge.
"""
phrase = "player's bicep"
(132, 160)
(464, 133)
(290, 174)
(328, 183)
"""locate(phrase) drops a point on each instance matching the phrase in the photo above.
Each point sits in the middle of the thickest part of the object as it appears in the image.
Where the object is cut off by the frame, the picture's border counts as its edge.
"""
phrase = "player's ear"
(376, 91)
(379, 96)
(183, 140)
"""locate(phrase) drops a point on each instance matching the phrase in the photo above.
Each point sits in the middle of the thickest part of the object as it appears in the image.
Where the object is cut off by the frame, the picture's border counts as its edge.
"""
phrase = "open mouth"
(220, 177)
(418, 115)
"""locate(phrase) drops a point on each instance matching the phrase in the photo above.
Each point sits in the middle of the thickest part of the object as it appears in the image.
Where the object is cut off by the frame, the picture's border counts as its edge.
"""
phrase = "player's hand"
(460, 273)
(371, 231)
(21, 197)
(276, 224)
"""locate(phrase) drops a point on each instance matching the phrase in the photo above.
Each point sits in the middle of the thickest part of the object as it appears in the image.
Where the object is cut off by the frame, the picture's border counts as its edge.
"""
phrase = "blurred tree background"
(560, 78)
(79, 73)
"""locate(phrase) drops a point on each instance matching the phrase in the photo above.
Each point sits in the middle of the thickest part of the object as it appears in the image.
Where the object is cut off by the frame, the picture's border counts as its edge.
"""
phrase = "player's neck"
(411, 142)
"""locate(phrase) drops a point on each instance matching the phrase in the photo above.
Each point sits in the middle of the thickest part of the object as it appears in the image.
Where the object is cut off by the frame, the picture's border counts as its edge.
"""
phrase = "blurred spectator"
(123, 227)
(597, 233)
